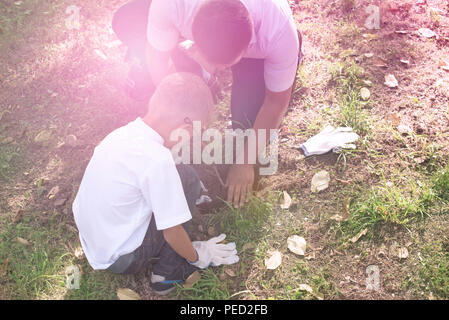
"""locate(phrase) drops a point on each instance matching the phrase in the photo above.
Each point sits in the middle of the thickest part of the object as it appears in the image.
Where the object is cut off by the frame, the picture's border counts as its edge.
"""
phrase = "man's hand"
(240, 182)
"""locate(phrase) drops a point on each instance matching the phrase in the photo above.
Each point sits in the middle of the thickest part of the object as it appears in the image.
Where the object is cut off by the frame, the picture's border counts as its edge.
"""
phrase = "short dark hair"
(222, 29)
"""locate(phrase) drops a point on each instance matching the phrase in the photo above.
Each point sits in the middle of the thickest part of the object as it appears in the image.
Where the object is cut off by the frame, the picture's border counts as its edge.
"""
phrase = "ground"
(393, 190)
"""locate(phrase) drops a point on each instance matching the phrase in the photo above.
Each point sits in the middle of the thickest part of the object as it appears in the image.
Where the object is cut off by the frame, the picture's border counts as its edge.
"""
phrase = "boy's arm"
(179, 240)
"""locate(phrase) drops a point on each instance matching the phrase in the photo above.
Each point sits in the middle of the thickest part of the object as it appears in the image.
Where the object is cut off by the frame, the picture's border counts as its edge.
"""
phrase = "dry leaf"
(369, 55)
(79, 253)
(427, 33)
(406, 62)
(391, 81)
(320, 181)
(443, 64)
(297, 245)
(287, 201)
(403, 253)
(127, 294)
(365, 94)
(369, 36)
(60, 202)
(248, 246)
(53, 192)
(305, 287)
(230, 273)
(367, 83)
(274, 260)
(23, 241)
(192, 279)
(404, 129)
(359, 235)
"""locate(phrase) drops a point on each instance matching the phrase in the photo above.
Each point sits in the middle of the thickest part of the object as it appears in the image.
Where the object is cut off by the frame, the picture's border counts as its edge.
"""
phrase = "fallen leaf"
(443, 64)
(320, 181)
(274, 260)
(53, 192)
(43, 137)
(287, 201)
(379, 62)
(426, 32)
(391, 81)
(79, 253)
(305, 287)
(192, 279)
(369, 36)
(7, 140)
(369, 55)
(404, 129)
(403, 253)
(368, 83)
(365, 93)
(23, 241)
(359, 235)
(297, 245)
(406, 62)
(248, 246)
(230, 273)
(311, 256)
(127, 294)
(71, 141)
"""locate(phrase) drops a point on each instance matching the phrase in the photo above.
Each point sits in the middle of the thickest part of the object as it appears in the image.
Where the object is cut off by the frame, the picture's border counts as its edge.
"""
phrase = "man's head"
(222, 30)
(179, 99)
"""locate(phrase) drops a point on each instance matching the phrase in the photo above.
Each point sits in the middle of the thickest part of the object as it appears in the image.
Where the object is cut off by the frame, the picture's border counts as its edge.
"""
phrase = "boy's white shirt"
(130, 177)
(274, 39)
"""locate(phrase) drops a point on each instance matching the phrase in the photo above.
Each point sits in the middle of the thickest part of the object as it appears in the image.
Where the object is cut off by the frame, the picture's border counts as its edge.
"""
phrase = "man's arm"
(158, 63)
(180, 241)
(241, 177)
(162, 38)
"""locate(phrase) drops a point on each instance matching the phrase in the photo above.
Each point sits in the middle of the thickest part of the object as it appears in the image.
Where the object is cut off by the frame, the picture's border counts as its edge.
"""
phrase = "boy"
(134, 205)
(257, 39)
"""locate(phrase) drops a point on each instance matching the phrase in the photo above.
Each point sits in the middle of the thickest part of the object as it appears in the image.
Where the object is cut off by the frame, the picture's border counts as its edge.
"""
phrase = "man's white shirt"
(130, 177)
(274, 39)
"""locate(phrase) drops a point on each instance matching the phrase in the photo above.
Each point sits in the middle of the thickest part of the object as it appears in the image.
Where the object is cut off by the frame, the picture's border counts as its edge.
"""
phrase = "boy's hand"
(213, 253)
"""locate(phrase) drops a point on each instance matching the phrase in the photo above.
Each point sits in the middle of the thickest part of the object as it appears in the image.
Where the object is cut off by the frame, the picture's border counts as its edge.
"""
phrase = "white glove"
(213, 253)
(330, 139)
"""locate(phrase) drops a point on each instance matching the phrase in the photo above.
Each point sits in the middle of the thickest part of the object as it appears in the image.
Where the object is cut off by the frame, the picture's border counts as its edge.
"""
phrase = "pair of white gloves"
(213, 253)
(330, 139)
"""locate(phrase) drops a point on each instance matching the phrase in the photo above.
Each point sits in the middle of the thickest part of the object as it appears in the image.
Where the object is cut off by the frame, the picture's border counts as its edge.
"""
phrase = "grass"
(348, 77)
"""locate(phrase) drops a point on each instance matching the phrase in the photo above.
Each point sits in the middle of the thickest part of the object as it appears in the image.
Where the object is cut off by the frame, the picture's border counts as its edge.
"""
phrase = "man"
(134, 205)
(258, 39)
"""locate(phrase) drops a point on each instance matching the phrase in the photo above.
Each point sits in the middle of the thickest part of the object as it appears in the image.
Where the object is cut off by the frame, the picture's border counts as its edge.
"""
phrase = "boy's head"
(222, 30)
(179, 99)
